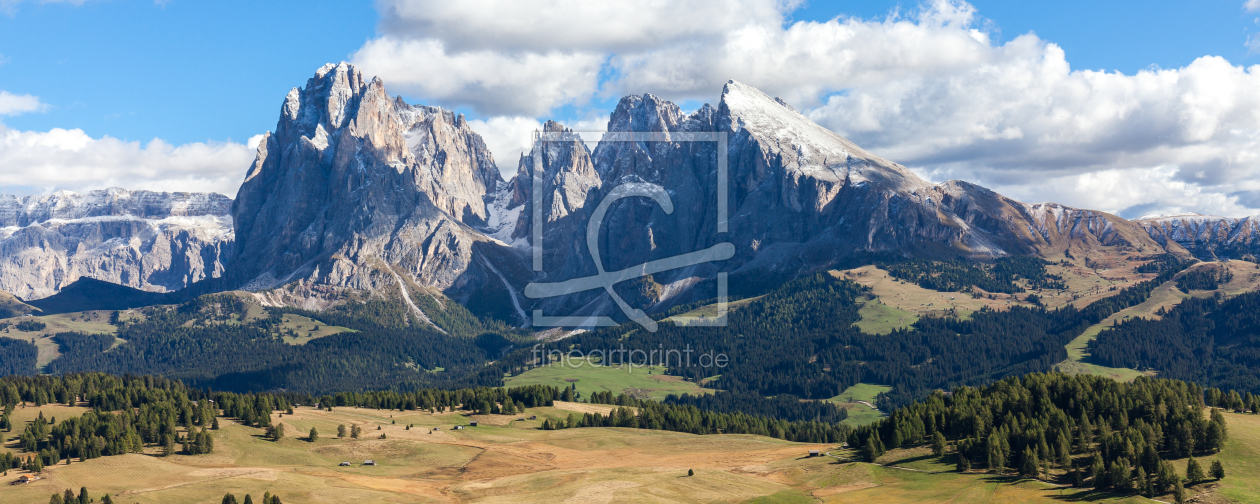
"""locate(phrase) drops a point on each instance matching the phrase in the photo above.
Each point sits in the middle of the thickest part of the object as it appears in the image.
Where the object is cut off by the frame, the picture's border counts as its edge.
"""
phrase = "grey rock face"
(354, 187)
(359, 193)
(147, 240)
(1207, 237)
(801, 198)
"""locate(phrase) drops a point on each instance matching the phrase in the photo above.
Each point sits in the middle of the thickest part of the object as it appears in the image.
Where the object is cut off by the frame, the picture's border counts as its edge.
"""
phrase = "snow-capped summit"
(148, 240)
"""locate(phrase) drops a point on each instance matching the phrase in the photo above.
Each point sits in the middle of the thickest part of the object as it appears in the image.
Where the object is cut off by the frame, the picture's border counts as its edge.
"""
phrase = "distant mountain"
(360, 192)
(357, 192)
(91, 294)
(800, 198)
(152, 241)
(11, 306)
(1207, 237)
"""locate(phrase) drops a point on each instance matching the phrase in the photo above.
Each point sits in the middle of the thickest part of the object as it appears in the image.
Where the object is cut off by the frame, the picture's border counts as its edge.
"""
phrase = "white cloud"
(72, 160)
(491, 82)
(507, 138)
(505, 57)
(12, 104)
(572, 25)
(927, 87)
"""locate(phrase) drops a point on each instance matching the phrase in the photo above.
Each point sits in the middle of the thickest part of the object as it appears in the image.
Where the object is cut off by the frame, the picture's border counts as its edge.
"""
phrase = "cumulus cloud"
(508, 138)
(573, 25)
(497, 83)
(13, 104)
(505, 57)
(927, 87)
(73, 160)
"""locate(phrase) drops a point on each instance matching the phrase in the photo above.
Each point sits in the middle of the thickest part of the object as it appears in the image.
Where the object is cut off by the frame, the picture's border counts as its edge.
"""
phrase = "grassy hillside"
(1245, 278)
(589, 377)
(89, 322)
(859, 400)
(510, 460)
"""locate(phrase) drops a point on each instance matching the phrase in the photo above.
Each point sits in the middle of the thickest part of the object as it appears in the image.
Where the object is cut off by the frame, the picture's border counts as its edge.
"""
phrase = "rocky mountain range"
(1207, 237)
(152, 241)
(357, 192)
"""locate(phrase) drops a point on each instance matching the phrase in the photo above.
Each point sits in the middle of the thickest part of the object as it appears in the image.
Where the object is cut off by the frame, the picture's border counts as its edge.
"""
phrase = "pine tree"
(1118, 476)
(996, 458)
(214, 424)
(55, 499)
(355, 431)
(1029, 467)
(341, 432)
(1218, 470)
(1143, 482)
(1099, 472)
(106, 499)
(871, 451)
(1065, 452)
(69, 497)
(229, 499)
(1194, 472)
(1167, 476)
(938, 444)
(83, 496)
(964, 464)
(313, 436)
(691, 472)
(1179, 492)
(248, 499)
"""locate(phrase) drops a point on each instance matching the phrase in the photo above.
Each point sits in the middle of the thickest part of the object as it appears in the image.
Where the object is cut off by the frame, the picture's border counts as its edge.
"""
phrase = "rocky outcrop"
(357, 190)
(800, 198)
(152, 241)
(1207, 237)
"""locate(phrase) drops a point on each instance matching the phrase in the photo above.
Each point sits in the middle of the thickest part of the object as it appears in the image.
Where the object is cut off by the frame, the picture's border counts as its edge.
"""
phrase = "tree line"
(1098, 432)
(800, 340)
(1213, 341)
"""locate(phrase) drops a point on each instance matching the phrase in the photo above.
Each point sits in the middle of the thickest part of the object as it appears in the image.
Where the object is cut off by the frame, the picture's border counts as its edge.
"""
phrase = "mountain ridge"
(153, 241)
(359, 192)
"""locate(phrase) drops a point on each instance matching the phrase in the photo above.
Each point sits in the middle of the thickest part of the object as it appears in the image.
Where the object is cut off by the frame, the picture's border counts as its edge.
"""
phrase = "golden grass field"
(90, 322)
(511, 461)
(643, 382)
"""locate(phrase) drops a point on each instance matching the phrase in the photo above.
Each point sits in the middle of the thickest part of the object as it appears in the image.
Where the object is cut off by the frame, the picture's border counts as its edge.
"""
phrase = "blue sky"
(195, 71)
(166, 95)
(184, 71)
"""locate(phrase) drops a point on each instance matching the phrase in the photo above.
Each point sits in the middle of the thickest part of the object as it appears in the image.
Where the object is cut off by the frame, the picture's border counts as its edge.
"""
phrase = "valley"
(419, 456)
(376, 262)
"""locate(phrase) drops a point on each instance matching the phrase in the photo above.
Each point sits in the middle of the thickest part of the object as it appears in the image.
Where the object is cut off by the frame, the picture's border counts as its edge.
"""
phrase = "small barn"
(472, 423)
(815, 453)
(344, 464)
(459, 427)
(369, 462)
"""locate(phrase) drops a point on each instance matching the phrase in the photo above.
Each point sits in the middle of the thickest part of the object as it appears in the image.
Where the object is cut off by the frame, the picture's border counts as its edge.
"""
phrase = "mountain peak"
(807, 147)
